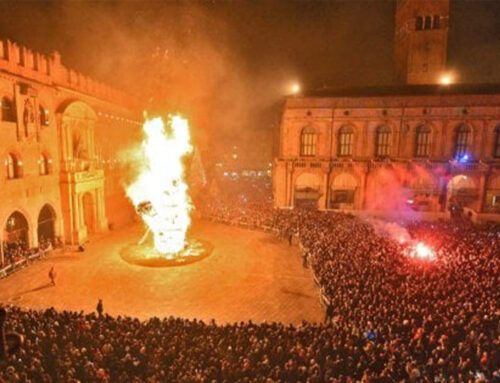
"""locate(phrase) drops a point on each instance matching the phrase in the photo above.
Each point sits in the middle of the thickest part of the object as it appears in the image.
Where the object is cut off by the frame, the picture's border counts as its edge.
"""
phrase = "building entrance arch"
(307, 190)
(46, 224)
(17, 229)
(344, 188)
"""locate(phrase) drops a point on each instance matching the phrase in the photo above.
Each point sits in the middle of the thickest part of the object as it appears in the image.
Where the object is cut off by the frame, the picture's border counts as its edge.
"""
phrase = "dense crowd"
(391, 318)
(15, 251)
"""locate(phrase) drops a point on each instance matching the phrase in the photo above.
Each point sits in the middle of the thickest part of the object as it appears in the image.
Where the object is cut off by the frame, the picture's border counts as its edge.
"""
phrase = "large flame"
(160, 192)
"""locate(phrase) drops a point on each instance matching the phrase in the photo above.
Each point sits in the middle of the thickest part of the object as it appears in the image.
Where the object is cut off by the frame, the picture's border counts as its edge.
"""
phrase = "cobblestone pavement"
(249, 275)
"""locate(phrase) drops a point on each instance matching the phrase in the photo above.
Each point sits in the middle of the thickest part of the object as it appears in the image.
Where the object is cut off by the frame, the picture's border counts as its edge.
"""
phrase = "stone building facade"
(417, 150)
(420, 148)
(57, 146)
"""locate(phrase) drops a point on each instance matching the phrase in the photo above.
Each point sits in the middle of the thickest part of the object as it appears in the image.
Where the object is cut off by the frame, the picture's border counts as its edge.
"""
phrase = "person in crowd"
(100, 308)
(52, 276)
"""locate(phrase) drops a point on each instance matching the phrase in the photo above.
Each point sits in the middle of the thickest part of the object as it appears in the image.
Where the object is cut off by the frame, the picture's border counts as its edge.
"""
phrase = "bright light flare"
(160, 192)
(295, 88)
(422, 251)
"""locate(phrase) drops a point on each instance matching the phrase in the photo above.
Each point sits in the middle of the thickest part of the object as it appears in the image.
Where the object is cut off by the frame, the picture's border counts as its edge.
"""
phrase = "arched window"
(308, 142)
(423, 141)
(462, 141)
(346, 136)
(419, 23)
(43, 114)
(383, 142)
(44, 164)
(8, 110)
(496, 149)
(13, 166)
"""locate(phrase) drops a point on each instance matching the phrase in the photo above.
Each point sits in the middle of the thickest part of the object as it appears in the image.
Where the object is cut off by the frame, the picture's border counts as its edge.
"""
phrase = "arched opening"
(88, 212)
(8, 113)
(13, 166)
(43, 115)
(307, 190)
(17, 230)
(44, 164)
(461, 192)
(385, 192)
(493, 195)
(46, 225)
(343, 191)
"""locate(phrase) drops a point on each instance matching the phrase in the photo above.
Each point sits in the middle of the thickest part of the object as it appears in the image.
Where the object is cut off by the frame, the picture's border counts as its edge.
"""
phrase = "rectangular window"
(383, 143)
(308, 145)
(345, 144)
(462, 144)
(423, 144)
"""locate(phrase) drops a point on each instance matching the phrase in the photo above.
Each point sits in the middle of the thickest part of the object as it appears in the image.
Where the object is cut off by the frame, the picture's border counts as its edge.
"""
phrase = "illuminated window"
(43, 114)
(308, 142)
(462, 141)
(383, 142)
(44, 164)
(13, 166)
(496, 151)
(346, 136)
(8, 110)
(423, 142)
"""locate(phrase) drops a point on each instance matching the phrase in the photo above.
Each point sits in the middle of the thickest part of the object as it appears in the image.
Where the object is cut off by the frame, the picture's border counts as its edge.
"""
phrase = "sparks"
(421, 251)
(160, 192)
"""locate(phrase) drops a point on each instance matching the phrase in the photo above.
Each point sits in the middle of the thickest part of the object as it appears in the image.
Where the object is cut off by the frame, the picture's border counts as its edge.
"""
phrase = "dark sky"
(222, 63)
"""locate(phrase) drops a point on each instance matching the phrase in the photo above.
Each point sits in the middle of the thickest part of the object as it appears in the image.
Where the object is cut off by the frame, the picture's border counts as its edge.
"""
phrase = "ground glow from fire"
(159, 192)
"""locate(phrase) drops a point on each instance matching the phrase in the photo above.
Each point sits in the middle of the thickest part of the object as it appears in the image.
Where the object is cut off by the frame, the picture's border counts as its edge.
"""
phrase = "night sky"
(223, 63)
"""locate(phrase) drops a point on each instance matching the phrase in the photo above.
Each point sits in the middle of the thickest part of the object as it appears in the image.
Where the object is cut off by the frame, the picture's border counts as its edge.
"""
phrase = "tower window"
(419, 23)
(428, 22)
(308, 142)
(436, 22)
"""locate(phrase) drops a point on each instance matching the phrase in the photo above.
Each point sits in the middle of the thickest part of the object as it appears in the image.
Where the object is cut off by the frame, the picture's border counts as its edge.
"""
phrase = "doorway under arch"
(17, 229)
(46, 224)
(307, 190)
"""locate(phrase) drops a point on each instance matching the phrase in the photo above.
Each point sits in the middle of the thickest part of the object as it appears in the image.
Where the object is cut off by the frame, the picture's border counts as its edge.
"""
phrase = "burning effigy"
(159, 192)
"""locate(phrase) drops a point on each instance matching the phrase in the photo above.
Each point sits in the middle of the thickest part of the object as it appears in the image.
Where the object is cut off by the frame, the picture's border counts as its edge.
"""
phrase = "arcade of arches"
(396, 188)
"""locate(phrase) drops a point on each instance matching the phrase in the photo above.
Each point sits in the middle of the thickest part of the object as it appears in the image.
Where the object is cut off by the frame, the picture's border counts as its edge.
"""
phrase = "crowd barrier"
(21, 263)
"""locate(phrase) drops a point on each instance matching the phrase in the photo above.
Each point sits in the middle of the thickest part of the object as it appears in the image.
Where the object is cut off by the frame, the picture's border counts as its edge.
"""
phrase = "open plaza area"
(250, 275)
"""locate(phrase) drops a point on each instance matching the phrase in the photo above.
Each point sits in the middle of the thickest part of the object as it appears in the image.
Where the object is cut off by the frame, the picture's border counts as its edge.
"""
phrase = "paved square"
(249, 275)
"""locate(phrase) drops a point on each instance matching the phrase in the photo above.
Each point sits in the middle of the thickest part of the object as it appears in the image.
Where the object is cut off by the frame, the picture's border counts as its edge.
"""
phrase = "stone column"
(482, 192)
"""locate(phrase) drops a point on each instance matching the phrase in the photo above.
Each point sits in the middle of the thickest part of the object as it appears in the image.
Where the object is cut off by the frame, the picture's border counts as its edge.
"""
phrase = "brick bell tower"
(421, 38)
